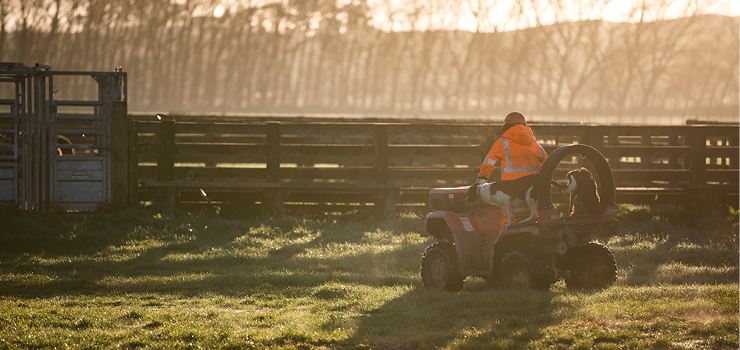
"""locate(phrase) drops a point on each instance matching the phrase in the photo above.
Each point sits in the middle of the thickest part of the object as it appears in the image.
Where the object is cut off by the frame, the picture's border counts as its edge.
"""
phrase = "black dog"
(508, 193)
(584, 195)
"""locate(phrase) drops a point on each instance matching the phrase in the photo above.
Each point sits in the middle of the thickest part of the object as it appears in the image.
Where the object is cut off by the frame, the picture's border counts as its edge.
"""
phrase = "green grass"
(132, 279)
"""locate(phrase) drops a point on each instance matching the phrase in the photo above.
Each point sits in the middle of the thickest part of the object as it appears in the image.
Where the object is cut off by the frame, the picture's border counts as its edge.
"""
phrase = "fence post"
(596, 138)
(701, 198)
(584, 136)
(119, 154)
(380, 143)
(733, 141)
(133, 163)
(166, 162)
(698, 155)
(387, 203)
(272, 149)
(274, 204)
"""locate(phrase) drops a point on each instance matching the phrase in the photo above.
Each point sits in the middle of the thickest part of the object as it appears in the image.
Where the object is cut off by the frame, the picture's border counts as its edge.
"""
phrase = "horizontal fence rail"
(326, 166)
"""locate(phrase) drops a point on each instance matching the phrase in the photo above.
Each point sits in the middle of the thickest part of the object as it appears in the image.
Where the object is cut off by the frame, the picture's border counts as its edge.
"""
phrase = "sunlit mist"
(641, 61)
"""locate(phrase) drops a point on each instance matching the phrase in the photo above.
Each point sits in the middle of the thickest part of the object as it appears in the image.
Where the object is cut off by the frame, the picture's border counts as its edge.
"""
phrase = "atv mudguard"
(469, 232)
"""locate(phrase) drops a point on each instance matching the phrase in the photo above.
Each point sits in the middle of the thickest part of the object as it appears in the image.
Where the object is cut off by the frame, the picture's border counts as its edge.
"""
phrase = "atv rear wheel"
(439, 269)
(591, 267)
(521, 270)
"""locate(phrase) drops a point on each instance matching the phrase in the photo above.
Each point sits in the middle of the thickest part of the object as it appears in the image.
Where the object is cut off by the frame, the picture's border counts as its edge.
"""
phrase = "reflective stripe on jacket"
(517, 151)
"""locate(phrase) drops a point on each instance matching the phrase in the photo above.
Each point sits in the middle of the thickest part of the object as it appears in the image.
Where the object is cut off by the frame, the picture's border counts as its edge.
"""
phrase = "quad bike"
(532, 255)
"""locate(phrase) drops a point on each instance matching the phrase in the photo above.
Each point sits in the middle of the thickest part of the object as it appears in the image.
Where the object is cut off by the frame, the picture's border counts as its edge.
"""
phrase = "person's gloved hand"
(481, 181)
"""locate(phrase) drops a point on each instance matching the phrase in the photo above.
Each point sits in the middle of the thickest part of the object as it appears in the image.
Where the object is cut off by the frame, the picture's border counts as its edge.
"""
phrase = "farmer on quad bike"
(472, 239)
(517, 151)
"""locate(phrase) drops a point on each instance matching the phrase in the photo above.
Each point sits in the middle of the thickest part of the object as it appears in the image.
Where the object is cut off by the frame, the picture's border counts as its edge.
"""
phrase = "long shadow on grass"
(496, 318)
(229, 271)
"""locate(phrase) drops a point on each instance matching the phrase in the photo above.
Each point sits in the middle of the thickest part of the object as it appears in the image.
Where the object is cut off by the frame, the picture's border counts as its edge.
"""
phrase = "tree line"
(320, 56)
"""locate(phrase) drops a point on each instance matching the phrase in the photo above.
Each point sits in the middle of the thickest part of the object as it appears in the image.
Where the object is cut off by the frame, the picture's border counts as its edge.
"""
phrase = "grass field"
(133, 279)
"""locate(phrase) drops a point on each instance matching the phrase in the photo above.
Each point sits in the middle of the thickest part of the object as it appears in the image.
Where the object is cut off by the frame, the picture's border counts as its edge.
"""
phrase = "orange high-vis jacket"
(517, 151)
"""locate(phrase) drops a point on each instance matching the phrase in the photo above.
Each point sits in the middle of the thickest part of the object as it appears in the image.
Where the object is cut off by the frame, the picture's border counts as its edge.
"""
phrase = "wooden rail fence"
(334, 166)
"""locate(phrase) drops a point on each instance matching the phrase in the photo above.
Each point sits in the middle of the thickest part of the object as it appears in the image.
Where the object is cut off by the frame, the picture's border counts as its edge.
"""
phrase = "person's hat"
(512, 119)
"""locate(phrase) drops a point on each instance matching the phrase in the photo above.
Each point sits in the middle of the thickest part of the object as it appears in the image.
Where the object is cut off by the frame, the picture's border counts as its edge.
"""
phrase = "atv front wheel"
(520, 270)
(439, 269)
(591, 267)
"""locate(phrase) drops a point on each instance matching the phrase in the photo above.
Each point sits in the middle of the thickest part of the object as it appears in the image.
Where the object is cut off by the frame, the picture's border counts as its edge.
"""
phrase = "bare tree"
(397, 56)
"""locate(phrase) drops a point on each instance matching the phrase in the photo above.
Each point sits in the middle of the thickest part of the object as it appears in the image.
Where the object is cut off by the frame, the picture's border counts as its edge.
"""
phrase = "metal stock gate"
(55, 154)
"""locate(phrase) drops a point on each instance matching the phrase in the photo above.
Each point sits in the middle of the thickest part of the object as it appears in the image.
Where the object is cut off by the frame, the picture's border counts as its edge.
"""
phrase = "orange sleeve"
(493, 158)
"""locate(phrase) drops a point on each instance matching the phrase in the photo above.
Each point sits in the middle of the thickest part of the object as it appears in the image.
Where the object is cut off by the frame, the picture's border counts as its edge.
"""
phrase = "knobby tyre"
(439, 268)
(520, 269)
(591, 267)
